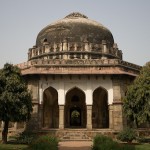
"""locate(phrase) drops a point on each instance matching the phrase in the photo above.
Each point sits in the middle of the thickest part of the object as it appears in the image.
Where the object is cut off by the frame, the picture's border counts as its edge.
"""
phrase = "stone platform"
(77, 134)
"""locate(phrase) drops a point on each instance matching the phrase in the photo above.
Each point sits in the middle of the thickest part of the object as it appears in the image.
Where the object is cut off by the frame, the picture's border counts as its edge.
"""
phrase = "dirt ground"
(75, 145)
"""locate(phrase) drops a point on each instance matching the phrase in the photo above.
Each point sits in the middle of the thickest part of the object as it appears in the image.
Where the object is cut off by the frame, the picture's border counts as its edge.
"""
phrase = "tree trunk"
(5, 132)
(135, 124)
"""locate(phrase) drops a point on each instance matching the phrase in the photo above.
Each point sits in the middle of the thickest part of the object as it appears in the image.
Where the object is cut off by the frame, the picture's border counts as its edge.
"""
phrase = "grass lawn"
(24, 147)
(143, 147)
(13, 147)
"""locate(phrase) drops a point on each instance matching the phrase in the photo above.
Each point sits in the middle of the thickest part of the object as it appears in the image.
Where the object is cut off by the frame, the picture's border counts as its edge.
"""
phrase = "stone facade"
(104, 91)
(77, 77)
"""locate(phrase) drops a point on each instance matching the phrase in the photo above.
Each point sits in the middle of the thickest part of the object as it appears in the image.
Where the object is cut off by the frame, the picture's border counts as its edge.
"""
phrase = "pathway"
(75, 145)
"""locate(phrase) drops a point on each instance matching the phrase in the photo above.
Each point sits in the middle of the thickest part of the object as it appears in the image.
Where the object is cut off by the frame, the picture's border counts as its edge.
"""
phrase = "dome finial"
(76, 14)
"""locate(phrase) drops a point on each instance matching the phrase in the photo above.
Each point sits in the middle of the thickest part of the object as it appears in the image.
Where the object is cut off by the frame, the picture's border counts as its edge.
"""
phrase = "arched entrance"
(75, 109)
(50, 108)
(100, 112)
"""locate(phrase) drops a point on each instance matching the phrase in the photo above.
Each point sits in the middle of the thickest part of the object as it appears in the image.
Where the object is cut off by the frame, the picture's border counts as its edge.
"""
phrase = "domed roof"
(75, 27)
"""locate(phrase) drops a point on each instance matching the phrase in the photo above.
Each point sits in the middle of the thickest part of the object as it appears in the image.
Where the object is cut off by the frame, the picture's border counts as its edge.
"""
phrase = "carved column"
(89, 117)
(61, 116)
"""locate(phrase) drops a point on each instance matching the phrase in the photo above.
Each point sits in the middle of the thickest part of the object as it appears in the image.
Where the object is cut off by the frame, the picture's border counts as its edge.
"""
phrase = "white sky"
(22, 20)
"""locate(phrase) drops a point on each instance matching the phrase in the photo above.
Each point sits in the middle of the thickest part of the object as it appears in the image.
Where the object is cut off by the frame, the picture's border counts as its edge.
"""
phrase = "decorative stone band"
(72, 50)
(97, 66)
(78, 62)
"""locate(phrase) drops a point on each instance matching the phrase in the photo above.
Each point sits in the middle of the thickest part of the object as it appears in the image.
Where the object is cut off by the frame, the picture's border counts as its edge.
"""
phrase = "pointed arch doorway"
(75, 109)
(100, 112)
(50, 108)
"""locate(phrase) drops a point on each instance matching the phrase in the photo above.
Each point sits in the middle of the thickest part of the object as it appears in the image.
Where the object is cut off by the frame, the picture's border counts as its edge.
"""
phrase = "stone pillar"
(65, 48)
(105, 50)
(2, 124)
(118, 116)
(41, 95)
(47, 48)
(111, 116)
(55, 46)
(65, 56)
(86, 48)
(86, 56)
(75, 47)
(41, 116)
(32, 52)
(15, 125)
(61, 116)
(89, 117)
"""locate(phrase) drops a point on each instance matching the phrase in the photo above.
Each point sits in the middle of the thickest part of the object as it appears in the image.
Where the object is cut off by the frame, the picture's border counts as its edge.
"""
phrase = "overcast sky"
(22, 20)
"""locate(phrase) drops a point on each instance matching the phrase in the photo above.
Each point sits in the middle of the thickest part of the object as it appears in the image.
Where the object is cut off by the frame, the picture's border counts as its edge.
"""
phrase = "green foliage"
(106, 143)
(143, 147)
(13, 147)
(103, 143)
(143, 139)
(127, 135)
(26, 137)
(15, 99)
(75, 114)
(44, 143)
(137, 101)
(100, 139)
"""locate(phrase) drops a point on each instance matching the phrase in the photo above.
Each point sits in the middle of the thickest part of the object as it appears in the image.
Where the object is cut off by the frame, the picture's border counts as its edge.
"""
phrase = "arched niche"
(100, 112)
(50, 108)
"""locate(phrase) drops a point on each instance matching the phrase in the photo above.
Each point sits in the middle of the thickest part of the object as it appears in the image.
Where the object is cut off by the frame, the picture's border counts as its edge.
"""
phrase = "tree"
(15, 99)
(137, 101)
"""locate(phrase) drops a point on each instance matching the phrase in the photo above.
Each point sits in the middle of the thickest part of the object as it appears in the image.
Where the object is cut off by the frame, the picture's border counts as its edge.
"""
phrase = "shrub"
(127, 147)
(143, 139)
(44, 142)
(100, 139)
(127, 135)
(25, 137)
(106, 143)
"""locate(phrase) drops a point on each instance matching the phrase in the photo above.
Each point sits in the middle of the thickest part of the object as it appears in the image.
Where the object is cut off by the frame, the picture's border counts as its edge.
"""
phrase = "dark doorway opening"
(75, 109)
(75, 117)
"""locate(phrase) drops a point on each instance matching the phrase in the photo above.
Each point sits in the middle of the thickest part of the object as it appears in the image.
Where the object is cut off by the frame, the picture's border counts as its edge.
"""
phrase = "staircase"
(75, 135)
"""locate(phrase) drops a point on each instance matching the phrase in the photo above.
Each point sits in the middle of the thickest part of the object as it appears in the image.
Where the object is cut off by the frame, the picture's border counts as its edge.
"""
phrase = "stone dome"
(74, 37)
(75, 27)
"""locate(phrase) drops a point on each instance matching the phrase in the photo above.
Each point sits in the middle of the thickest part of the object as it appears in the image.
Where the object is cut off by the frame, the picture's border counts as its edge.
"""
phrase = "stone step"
(75, 136)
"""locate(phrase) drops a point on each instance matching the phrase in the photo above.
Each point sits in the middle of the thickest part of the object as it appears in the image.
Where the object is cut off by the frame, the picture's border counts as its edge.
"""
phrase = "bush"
(106, 143)
(100, 139)
(143, 139)
(44, 143)
(127, 135)
(25, 138)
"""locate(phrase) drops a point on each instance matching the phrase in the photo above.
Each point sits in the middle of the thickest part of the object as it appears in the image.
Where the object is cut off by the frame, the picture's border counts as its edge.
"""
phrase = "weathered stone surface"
(75, 67)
